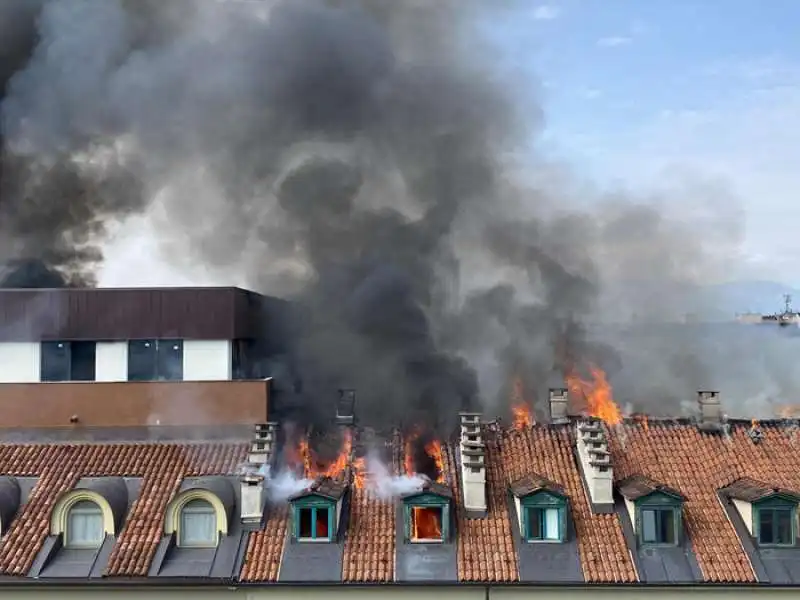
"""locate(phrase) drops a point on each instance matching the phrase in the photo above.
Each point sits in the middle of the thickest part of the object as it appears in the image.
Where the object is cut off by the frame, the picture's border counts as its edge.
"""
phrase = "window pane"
(649, 526)
(82, 361)
(321, 529)
(666, 527)
(170, 360)
(765, 526)
(783, 526)
(534, 523)
(85, 525)
(141, 360)
(551, 524)
(306, 520)
(54, 361)
(198, 524)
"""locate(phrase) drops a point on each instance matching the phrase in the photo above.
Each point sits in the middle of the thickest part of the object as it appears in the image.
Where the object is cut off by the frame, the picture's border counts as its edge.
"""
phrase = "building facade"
(158, 486)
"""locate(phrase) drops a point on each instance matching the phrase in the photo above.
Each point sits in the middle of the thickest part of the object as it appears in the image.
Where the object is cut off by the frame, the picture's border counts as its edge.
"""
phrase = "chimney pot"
(558, 405)
(710, 407)
(473, 463)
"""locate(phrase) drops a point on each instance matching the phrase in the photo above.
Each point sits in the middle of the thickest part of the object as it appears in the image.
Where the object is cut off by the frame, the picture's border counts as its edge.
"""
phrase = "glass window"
(658, 525)
(198, 526)
(155, 360)
(314, 523)
(775, 526)
(84, 525)
(543, 523)
(54, 361)
(82, 361)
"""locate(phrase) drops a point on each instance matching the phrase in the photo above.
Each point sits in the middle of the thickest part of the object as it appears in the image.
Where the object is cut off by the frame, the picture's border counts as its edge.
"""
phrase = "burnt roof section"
(639, 486)
(431, 487)
(533, 483)
(135, 313)
(752, 490)
(326, 487)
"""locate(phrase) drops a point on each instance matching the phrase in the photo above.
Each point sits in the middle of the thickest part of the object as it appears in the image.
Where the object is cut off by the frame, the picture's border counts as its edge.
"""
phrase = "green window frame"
(659, 520)
(427, 501)
(544, 518)
(775, 522)
(307, 514)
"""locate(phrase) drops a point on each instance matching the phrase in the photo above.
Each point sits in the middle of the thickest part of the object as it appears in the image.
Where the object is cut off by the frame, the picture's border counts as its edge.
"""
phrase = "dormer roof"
(752, 490)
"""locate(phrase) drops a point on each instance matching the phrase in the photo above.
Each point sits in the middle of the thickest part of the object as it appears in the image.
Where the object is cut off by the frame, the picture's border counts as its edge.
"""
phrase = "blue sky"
(634, 90)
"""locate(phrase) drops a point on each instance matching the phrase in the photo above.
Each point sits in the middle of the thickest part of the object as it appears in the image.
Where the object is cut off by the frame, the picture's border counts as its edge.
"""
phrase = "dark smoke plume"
(363, 158)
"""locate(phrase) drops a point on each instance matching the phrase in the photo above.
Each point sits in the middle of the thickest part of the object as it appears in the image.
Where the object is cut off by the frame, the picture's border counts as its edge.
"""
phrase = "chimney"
(595, 463)
(257, 469)
(558, 405)
(473, 465)
(710, 408)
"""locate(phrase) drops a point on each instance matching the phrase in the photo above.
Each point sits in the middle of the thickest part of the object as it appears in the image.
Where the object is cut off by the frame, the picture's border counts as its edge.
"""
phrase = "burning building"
(184, 475)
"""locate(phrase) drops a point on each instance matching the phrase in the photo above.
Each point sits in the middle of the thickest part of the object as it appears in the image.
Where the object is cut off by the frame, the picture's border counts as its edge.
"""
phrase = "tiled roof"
(639, 486)
(750, 490)
(59, 466)
(673, 454)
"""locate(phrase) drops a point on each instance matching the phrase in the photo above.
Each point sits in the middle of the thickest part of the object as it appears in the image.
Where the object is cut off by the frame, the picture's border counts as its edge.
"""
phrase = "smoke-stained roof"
(700, 467)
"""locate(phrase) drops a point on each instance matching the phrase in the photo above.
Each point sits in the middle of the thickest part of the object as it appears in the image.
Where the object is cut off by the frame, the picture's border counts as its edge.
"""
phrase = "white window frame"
(82, 507)
(197, 506)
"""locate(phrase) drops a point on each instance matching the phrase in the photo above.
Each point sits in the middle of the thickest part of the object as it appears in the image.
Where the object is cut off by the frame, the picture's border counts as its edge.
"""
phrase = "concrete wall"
(37, 592)
(20, 362)
(207, 360)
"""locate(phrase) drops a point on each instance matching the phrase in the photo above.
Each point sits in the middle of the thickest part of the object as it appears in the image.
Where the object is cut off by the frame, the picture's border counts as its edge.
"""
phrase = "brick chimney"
(473, 465)
(595, 463)
(711, 418)
(257, 469)
(558, 405)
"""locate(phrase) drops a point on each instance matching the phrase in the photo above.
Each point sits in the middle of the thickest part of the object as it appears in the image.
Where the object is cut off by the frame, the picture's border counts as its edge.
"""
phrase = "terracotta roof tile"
(265, 548)
(548, 451)
(59, 466)
(698, 465)
(485, 546)
(370, 543)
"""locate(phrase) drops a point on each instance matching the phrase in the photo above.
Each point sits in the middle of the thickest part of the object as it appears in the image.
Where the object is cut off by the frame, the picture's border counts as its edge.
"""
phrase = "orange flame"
(434, 450)
(313, 468)
(598, 395)
(753, 423)
(523, 418)
(359, 473)
(426, 523)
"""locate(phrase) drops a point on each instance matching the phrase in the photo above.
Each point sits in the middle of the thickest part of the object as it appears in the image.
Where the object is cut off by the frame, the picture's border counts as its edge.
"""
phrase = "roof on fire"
(673, 455)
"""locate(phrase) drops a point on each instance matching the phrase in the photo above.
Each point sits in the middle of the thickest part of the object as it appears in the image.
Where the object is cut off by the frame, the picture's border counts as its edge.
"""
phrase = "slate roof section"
(750, 490)
(639, 486)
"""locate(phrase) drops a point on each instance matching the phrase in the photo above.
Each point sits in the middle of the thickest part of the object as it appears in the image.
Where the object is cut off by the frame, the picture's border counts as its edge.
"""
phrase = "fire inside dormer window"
(427, 519)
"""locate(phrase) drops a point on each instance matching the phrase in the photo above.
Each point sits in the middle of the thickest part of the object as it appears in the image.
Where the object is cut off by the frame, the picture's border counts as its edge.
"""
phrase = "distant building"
(137, 454)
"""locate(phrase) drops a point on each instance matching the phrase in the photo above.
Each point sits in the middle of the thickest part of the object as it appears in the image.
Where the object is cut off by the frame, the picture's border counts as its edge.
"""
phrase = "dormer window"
(769, 513)
(198, 525)
(655, 511)
(427, 514)
(85, 527)
(316, 509)
(541, 509)
(774, 521)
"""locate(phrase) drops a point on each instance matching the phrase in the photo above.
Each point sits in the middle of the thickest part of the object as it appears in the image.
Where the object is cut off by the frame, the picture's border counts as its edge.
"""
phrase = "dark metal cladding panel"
(782, 565)
(123, 314)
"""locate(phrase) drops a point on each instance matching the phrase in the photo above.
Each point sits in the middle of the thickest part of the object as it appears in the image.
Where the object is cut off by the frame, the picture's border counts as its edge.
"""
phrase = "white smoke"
(285, 485)
(385, 485)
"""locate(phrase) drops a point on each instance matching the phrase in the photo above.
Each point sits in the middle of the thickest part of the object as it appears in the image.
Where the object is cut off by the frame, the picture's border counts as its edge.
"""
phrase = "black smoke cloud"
(362, 158)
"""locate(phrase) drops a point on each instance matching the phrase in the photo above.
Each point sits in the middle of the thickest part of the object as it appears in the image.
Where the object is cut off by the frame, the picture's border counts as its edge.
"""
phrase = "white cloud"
(614, 41)
(545, 12)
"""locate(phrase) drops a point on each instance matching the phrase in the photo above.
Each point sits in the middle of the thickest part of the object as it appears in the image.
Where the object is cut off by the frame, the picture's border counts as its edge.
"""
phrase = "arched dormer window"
(84, 518)
(197, 518)
(198, 527)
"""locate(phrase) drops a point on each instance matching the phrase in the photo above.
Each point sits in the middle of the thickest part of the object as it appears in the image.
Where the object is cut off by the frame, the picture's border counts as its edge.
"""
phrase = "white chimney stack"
(252, 499)
(710, 408)
(558, 405)
(473, 464)
(595, 462)
(257, 469)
